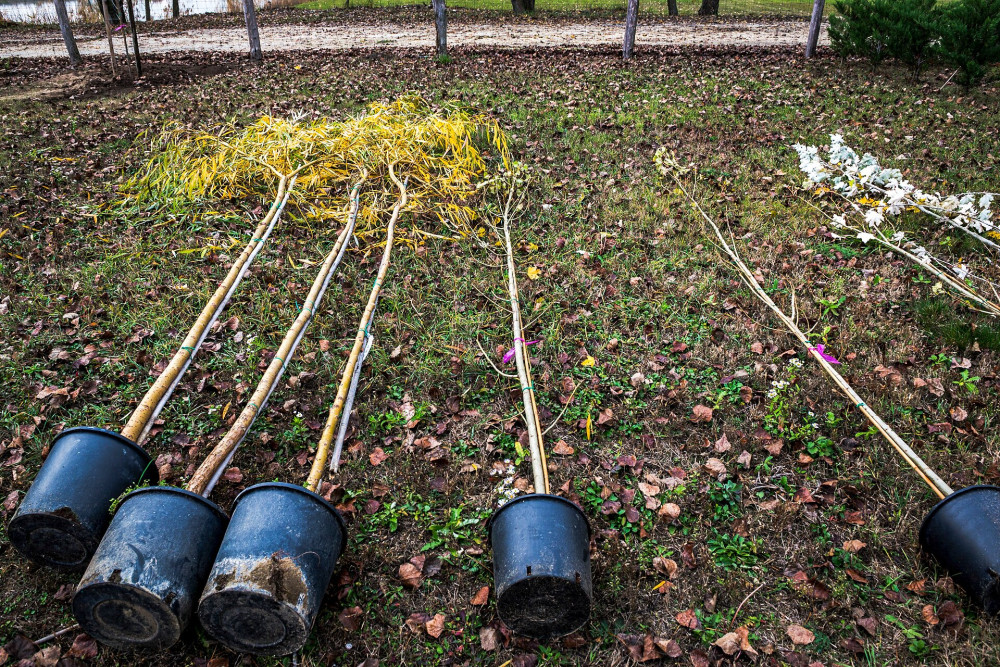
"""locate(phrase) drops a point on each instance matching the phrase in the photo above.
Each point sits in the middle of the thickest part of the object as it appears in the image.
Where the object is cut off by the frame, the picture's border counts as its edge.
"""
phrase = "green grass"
(628, 276)
(943, 324)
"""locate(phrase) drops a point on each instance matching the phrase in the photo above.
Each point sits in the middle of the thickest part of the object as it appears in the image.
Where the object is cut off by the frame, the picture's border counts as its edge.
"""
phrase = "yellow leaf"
(588, 426)
(588, 362)
(534, 273)
(226, 409)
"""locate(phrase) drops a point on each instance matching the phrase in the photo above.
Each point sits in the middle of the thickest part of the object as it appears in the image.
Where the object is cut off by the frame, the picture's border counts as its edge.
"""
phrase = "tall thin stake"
(936, 484)
(323, 448)
(338, 445)
(135, 38)
(539, 466)
(111, 44)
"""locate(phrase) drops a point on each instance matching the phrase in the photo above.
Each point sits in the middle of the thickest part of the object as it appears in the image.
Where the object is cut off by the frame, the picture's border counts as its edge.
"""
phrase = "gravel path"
(291, 37)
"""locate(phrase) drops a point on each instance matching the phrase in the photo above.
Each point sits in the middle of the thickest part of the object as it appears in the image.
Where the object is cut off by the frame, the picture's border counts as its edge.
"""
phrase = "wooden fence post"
(814, 25)
(250, 14)
(631, 18)
(67, 33)
(441, 26)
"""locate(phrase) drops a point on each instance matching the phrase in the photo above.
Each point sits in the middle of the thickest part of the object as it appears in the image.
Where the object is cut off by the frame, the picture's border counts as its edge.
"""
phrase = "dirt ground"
(526, 34)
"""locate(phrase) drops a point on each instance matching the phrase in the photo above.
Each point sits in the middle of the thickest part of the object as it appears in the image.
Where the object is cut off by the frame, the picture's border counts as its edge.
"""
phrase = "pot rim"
(103, 431)
(327, 505)
(947, 499)
(530, 496)
(153, 488)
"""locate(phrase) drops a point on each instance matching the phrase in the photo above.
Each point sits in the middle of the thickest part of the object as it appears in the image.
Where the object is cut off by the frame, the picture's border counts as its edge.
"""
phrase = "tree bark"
(176, 8)
(709, 8)
(148, 11)
(814, 26)
(135, 37)
(67, 33)
(631, 19)
(672, 7)
(441, 26)
(250, 14)
(517, 6)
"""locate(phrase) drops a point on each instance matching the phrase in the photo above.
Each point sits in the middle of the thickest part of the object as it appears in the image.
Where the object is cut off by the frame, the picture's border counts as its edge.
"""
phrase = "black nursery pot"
(541, 565)
(66, 510)
(143, 582)
(273, 568)
(963, 533)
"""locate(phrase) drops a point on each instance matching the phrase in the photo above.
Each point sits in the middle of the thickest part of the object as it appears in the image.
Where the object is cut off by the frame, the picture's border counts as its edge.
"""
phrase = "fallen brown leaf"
(435, 626)
(799, 635)
(481, 597)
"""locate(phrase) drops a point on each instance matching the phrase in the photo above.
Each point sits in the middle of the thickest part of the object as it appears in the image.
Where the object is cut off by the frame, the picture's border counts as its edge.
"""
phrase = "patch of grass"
(625, 276)
(941, 322)
(733, 552)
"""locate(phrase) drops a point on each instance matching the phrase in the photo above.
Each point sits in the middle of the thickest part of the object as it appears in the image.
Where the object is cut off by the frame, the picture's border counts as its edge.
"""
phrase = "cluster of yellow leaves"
(440, 152)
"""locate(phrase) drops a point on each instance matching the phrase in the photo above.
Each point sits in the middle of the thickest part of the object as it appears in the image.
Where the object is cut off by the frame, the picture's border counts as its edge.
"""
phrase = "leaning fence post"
(631, 18)
(814, 25)
(250, 14)
(67, 33)
(441, 26)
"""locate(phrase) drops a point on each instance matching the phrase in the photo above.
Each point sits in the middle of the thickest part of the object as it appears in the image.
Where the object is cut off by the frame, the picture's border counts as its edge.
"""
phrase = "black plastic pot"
(66, 510)
(963, 533)
(272, 570)
(142, 585)
(541, 565)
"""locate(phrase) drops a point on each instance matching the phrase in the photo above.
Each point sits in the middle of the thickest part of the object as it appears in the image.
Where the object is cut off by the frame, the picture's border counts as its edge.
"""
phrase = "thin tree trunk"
(128, 56)
(631, 18)
(814, 26)
(517, 6)
(250, 14)
(67, 33)
(149, 11)
(709, 8)
(135, 38)
(441, 26)
(111, 44)
(672, 7)
(176, 8)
